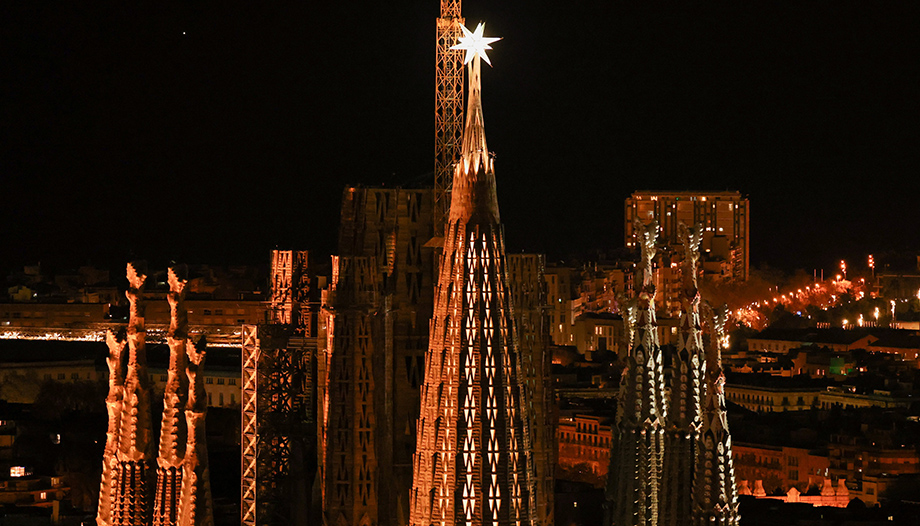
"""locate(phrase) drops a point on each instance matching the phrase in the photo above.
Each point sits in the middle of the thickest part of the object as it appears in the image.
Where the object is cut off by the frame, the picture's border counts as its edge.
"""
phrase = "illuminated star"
(475, 44)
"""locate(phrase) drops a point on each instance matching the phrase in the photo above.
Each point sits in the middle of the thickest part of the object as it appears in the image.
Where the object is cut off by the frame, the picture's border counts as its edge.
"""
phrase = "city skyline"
(253, 122)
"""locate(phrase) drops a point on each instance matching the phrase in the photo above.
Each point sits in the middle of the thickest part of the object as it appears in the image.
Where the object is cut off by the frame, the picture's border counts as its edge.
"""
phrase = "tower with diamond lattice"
(473, 462)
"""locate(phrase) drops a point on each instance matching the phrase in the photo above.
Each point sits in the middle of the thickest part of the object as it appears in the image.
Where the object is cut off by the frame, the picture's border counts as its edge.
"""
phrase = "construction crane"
(448, 108)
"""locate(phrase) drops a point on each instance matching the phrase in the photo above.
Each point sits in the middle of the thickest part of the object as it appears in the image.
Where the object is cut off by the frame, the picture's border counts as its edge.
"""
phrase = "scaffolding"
(278, 425)
(290, 289)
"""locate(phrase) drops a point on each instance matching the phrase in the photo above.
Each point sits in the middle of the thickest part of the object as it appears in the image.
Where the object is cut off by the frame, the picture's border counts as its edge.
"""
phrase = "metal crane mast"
(448, 108)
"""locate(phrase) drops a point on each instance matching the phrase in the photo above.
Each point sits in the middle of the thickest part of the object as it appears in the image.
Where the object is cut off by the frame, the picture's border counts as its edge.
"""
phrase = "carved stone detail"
(181, 494)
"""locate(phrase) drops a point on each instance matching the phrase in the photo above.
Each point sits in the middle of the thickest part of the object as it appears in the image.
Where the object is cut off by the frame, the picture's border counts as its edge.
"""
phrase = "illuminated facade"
(473, 461)
(383, 247)
(176, 490)
(351, 467)
(725, 218)
(584, 448)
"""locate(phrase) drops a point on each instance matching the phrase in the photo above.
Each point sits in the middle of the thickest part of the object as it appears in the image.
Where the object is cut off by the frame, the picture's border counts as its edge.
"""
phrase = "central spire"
(473, 464)
(473, 196)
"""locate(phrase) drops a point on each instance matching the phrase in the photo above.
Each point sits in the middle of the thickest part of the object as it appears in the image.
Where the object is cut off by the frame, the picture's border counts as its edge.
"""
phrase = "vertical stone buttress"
(683, 418)
(473, 462)
(633, 494)
(351, 470)
(715, 496)
(173, 428)
(132, 489)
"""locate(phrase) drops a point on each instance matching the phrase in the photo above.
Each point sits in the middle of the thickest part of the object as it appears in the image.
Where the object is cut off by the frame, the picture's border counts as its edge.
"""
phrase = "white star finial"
(475, 44)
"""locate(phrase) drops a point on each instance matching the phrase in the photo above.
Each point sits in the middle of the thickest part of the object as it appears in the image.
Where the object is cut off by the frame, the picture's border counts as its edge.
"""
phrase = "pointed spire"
(715, 493)
(684, 393)
(473, 195)
(113, 403)
(173, 427)
(473, 463)
(634, 482)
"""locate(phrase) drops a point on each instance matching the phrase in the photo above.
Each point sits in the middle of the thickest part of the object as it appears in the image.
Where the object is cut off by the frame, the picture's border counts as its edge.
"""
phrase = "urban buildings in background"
(322, 365)
(725, 217)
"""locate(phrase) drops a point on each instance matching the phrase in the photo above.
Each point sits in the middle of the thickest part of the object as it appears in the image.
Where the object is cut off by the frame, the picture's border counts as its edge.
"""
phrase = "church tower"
(178, 491)
(715, 496)
(634, 482)
(472, 464)
(683, 420)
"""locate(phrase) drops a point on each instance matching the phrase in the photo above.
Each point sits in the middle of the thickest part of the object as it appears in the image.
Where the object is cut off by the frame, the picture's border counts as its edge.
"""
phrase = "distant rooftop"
(682, 193)
(832, 335)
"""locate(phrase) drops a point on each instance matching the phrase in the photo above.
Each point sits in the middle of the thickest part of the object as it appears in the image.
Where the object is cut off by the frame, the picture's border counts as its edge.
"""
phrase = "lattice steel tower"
(448, 109)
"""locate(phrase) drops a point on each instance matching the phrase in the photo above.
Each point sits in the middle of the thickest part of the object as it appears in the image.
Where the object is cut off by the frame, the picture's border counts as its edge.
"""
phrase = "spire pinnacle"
(475, 44)
(474, 192)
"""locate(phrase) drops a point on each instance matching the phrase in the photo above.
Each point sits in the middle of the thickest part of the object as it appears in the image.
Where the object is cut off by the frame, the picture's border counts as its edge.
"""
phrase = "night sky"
(214, 131)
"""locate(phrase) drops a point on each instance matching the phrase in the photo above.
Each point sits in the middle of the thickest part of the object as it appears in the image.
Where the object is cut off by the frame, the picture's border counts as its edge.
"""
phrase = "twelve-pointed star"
(475, 44)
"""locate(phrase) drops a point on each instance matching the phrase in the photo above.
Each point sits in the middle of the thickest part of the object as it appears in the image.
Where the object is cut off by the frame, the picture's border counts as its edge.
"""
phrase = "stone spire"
(714, 491)
(473, 195)
(182, 495)
(352, 472)
(173, 430)
(684, 389)
(195, 508)
(135, 445)
(473, 462)
(113, 404)
(633, 492)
